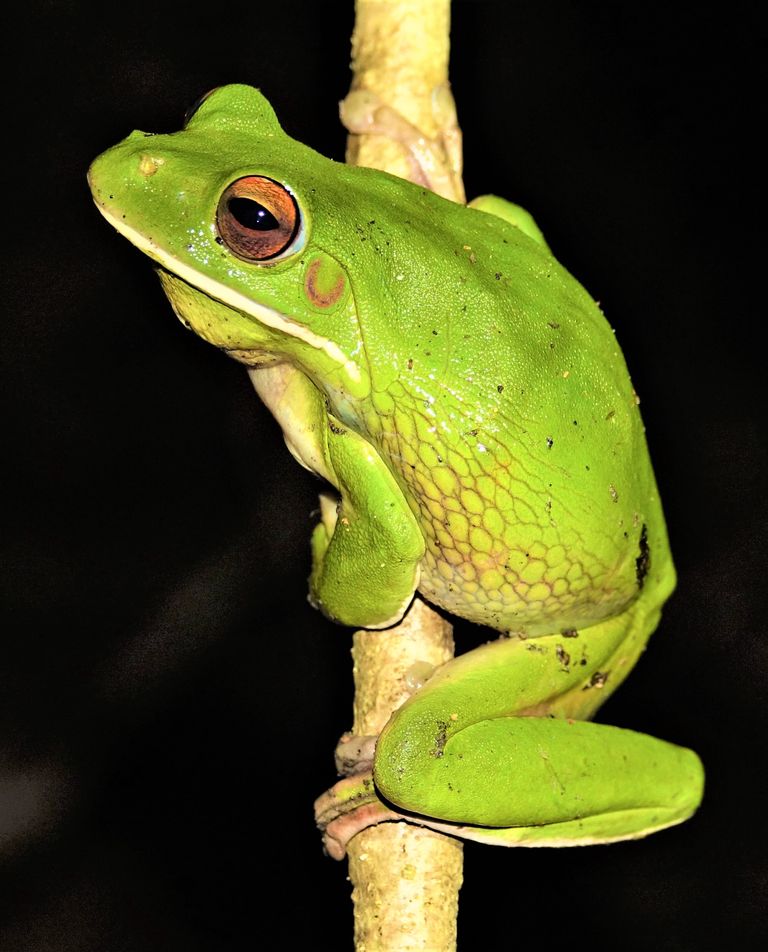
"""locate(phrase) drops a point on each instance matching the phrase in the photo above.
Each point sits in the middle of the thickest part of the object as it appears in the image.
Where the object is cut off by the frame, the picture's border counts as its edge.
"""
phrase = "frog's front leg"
(488, 750)
(367, 548)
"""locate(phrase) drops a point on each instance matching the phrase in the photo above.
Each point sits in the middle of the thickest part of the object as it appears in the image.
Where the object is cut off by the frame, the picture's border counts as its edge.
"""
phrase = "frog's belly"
(513, 540)
(497, 557)
(551, 593)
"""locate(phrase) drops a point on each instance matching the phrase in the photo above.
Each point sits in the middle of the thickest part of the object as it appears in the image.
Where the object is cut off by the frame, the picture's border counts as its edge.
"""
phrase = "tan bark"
(406, 878)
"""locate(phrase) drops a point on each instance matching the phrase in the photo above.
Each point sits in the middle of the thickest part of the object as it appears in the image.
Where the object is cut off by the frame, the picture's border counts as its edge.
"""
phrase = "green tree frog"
(468, 403)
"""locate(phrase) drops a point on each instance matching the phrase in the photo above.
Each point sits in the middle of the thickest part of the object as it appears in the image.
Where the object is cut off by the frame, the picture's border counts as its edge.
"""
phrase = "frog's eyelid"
(191, 110)
(297, 245)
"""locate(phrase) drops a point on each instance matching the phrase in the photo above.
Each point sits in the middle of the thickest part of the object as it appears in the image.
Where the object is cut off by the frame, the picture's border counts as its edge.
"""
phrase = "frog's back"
(513, 428)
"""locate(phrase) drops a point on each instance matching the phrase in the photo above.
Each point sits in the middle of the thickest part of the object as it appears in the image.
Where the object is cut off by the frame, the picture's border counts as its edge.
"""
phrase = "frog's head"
(225, 207)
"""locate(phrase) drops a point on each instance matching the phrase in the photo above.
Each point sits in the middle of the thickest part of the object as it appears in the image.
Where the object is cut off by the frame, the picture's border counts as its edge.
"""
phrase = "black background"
(170, 702)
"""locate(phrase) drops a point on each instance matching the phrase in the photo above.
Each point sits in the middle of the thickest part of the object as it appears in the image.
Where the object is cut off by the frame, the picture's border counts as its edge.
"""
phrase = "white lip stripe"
(266, 315)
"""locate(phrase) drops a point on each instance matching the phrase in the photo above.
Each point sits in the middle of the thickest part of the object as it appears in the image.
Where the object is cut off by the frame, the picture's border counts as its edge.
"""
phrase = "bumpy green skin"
(470, 404)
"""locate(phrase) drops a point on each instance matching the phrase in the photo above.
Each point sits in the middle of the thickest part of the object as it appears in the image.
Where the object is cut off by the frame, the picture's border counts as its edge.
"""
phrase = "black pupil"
(251, 215)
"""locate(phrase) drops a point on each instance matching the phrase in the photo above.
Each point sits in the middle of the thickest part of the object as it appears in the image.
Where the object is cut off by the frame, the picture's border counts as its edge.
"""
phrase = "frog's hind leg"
(460, 751)
(555, 782)
(533, 782)
(509, 212)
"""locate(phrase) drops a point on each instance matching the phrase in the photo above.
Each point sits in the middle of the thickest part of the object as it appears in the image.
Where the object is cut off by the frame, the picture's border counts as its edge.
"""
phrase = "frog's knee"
(406, 749)
(511, 213)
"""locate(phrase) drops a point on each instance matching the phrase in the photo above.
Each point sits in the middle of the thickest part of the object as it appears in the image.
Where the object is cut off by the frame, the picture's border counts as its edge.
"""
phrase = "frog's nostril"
(149, 164)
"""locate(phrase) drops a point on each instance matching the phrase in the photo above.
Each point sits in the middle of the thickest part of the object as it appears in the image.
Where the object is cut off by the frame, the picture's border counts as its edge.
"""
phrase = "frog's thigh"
(365, 560)
(454, 753)
(510, 212)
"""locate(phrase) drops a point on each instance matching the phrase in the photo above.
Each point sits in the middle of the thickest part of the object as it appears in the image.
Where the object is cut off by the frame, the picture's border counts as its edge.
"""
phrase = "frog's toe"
(340, 831)
(348, 807)
(354, 753)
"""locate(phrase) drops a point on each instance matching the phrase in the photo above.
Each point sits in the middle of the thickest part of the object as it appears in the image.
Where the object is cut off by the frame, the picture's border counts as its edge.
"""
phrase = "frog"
(468, 408)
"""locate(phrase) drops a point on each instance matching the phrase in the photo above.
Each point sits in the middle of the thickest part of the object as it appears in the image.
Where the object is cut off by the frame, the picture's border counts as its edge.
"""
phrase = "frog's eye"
(196, 105)
(257, 218)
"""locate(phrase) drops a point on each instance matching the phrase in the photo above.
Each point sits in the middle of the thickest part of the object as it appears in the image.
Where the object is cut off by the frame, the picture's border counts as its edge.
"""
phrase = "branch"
(406, 879)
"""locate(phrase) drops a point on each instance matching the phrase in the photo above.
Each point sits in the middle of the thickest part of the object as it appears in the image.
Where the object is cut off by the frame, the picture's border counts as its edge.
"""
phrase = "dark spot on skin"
(597, 680)
(562, 656)
(441, 738)
(569, 633)
(498, 276)
(336, 429)
(643, 561)
(553, 325)
(500, 388)
(539, 649)
(410, 363)
(550, 442)
(435, 333)
(219, 240)
(610, 414)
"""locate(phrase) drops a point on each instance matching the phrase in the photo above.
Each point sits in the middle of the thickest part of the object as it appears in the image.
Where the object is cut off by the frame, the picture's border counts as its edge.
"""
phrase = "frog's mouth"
(230, 297)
